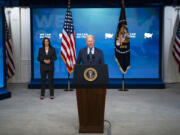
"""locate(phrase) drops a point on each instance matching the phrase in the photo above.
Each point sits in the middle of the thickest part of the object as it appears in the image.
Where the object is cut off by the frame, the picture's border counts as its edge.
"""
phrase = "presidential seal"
(122, 36)
(90, 74)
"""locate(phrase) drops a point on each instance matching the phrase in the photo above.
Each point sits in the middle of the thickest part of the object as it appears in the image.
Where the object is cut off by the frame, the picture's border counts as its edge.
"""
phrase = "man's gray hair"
(89, 36)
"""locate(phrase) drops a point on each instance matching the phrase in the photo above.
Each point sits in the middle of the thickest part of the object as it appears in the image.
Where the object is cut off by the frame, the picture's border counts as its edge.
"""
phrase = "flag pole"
(68, 82)
(69, 2)
(123, 84)
(69, 87)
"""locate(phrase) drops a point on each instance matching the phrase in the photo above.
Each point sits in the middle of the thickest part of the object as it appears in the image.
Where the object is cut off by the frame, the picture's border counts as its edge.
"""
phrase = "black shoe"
(51, 97)
(41, 97)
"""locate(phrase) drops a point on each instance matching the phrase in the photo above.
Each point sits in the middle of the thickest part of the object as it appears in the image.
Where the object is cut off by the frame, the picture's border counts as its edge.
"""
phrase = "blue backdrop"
(1, 54)
(144, 29)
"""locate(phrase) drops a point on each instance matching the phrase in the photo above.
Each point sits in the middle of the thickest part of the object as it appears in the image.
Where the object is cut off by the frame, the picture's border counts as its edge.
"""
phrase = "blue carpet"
(113, 84)
(4, 93)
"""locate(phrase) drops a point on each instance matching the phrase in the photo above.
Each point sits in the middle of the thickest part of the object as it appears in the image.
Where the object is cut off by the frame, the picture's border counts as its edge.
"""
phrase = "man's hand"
(47, 61)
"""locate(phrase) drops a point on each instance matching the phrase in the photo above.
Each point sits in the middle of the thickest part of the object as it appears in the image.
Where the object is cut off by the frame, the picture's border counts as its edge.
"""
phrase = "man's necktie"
(90, 54)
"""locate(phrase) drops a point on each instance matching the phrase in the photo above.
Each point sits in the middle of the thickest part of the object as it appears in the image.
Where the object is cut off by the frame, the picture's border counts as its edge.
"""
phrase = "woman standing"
(46, 57)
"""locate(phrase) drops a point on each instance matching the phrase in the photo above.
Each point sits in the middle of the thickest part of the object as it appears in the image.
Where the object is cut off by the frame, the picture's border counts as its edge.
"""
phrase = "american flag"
(9, 51)
(176, 44)
(68, 46)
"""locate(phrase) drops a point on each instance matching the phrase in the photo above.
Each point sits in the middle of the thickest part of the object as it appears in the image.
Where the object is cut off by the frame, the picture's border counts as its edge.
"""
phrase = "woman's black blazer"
(50, 56)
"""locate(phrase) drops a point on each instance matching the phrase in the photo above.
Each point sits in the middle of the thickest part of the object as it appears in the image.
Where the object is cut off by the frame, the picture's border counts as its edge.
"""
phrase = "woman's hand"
(47, 61)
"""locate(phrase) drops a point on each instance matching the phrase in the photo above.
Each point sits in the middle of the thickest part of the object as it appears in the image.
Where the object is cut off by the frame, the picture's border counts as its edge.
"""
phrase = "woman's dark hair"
(44, 41)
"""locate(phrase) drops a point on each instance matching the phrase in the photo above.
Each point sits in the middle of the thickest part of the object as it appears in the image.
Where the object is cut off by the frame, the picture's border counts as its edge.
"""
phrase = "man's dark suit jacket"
(84, 58)
(50, 56)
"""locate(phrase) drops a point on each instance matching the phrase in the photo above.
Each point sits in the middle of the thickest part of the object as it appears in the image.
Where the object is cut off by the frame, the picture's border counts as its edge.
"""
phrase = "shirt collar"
(88, 50)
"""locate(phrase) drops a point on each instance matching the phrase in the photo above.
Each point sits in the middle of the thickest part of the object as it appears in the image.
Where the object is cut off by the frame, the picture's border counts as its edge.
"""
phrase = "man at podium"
(90, 54)
(90, 81)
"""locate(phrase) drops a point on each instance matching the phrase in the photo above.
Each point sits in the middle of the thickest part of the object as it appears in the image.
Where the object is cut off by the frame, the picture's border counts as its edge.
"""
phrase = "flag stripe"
(177, 38)
(66, 43)
(73, 48)
(10, 64)
(177, 43)
(10, 70)
(176, 51)
(8, 44)
(176, 58)
(65, 57)
(8, 49)
(65, 60)
(66, 50)
(9, 58)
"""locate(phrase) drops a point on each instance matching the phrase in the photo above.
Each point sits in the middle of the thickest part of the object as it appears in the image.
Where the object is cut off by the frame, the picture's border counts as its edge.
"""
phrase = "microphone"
(93, 56)
(88, 57)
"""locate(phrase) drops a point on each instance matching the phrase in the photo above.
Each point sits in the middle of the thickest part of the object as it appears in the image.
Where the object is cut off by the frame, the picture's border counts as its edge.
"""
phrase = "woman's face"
(46, 42)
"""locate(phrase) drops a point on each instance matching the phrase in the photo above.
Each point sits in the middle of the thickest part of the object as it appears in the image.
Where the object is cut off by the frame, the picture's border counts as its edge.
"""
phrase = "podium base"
(91, 107)
(96, 130)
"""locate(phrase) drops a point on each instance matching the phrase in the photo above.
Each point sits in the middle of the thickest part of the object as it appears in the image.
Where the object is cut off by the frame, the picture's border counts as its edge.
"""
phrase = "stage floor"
(136, 112)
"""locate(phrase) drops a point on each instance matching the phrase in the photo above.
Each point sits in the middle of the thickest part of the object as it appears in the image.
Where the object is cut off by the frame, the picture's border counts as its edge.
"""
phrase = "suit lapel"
(49, 51)
(86, 52)
(95, 52)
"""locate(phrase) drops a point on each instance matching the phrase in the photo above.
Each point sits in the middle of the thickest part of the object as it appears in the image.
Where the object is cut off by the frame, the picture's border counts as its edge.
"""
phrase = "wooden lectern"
(90, 82)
